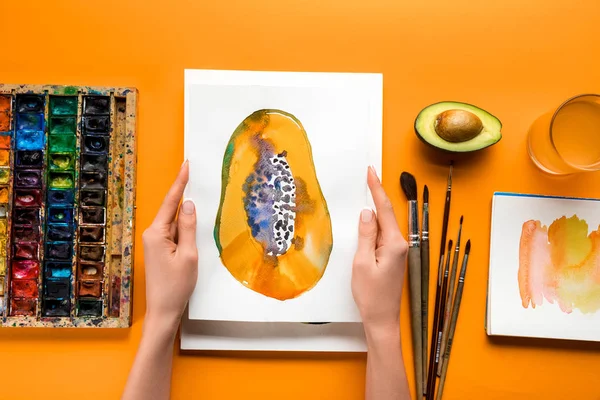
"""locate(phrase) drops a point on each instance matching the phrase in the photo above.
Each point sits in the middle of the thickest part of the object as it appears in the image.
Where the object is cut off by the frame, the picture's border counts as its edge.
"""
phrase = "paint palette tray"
(67, 204)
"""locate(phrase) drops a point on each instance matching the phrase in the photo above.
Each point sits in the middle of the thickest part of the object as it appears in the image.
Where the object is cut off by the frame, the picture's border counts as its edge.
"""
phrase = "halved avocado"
(457, 127)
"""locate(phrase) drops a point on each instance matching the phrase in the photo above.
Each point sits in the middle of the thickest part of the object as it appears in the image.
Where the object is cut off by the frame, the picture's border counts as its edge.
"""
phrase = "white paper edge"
(488, 322)
(272, 336)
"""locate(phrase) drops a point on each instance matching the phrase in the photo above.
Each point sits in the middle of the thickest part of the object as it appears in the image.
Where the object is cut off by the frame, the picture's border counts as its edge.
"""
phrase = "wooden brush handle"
(424, 306)
(445, 332)
(446, 357)
(436, 316)
(448, 310)
(414, 278)
(440, 389)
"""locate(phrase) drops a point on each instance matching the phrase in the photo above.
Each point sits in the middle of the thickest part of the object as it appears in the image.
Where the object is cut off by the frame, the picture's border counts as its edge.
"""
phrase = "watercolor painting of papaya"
(561, 264)
(273, 229)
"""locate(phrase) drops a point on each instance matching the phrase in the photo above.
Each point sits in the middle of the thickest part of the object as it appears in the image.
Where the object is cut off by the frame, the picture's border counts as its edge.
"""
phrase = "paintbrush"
(455, 310)
(409, 187)
(436, 316)
(425, 281)
(437, 329)
(436, 334)
(448, 307)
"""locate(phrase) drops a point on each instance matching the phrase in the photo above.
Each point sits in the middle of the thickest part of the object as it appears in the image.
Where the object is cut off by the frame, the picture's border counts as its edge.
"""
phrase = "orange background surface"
(517, 59)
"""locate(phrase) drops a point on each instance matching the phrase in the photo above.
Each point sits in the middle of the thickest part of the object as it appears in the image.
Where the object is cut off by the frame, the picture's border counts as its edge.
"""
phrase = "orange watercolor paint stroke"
(561, 264)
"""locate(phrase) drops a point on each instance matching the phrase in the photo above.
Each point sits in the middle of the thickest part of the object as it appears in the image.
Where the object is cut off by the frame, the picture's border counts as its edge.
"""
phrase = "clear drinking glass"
(567, 140)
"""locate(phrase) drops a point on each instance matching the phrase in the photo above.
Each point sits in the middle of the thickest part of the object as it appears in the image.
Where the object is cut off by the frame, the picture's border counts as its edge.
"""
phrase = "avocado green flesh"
(425, 127)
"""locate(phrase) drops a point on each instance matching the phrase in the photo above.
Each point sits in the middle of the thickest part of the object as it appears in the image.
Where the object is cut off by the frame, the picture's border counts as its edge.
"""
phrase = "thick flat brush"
(409, 187)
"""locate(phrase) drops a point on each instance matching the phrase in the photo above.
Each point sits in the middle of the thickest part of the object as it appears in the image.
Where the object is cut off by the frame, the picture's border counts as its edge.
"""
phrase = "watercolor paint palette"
(67, 204)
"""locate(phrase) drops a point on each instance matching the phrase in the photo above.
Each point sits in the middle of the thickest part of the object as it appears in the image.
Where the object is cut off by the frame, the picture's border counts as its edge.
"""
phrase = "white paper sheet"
(506, 315)
(341, 114)
(272, 336)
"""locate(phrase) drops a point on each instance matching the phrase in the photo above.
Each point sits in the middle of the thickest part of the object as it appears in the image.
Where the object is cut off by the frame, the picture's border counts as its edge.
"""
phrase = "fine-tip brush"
(448, 308)
(425, 281)
(432, 350)
(409, 187)
(455, 310)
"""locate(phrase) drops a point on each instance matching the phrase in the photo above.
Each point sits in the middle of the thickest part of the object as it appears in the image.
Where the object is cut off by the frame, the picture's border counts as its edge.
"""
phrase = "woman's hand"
(377, 279)
(380, 262)
(171, 260)
(171, 256)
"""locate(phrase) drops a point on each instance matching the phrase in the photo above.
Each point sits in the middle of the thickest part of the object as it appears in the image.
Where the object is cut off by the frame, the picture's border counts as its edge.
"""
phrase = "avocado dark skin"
(457, 127)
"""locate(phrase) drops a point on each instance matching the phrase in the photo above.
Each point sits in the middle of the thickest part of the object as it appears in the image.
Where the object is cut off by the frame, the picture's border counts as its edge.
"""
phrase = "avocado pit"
(457, 125)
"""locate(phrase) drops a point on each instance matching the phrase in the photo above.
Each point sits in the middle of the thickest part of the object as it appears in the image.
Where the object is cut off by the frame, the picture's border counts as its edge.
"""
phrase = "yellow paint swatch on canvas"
(560, 263)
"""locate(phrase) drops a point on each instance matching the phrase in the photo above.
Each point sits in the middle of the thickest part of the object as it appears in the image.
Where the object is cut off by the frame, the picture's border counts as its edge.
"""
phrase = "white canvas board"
(272, 336)
(342, 116)
(506, 315)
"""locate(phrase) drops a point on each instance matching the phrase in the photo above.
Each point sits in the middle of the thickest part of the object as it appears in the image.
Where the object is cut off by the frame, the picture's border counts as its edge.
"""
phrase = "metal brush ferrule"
(463, 269)
(413, 224)
(425, 230)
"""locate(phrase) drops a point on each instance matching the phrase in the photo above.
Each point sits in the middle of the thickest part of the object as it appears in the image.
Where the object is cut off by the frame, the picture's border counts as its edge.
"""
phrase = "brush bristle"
(426, 194)
(468, 246)
(449, 245)
(461, 219)
(409, 186)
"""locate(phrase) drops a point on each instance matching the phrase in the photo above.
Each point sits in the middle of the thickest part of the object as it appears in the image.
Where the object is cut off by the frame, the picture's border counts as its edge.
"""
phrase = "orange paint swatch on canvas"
(560, 263)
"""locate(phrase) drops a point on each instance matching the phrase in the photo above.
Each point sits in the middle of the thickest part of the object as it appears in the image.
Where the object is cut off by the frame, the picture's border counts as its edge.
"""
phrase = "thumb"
(367, 234)
(186, 226)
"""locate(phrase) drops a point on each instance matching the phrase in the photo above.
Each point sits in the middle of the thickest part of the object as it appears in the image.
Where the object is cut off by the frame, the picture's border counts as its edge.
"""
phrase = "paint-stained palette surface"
(67, 201)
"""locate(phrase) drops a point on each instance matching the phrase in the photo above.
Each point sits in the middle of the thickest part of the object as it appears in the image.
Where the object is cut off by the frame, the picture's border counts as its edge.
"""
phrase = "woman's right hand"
(379, 263)
(171, 256)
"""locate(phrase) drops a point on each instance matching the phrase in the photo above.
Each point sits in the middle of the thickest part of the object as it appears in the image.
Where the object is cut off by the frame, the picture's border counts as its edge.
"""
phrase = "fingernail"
(184, 161)
(366, 215)
(188, 207)
(375, 171)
